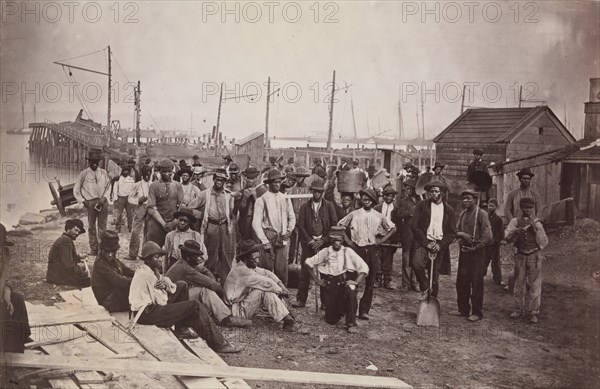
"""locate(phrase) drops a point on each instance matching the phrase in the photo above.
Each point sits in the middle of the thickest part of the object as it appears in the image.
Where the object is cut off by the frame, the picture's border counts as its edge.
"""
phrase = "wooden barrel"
(351, 182)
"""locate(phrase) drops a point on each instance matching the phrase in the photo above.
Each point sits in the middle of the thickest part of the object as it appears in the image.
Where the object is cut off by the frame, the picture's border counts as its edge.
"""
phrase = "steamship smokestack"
(592, 111)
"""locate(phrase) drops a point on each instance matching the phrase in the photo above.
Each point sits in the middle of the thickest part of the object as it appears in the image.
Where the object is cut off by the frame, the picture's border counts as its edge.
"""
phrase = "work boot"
(232, 321)
(351, 329)
(533, 319)
(378, 281)
(291, 325)
(229, 348)
(298, 304)
(186, 333)
(387, 284)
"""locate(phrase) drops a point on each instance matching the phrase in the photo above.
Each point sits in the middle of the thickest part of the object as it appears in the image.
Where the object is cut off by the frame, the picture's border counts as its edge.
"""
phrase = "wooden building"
(505, 135)
(253, 145)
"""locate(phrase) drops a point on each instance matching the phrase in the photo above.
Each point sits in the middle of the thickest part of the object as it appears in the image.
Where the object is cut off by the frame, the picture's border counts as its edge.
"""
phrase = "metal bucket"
(351, 182)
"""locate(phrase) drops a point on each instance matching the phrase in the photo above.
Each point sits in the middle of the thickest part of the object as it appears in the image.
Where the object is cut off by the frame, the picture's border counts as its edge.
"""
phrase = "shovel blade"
(428, 314)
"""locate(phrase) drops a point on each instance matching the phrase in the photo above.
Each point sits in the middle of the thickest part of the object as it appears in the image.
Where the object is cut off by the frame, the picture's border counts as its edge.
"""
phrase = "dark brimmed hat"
(301, 171)
(94, 155)
(526, 202)
(77, 223)
(186, 169)
(109, 241)
(272, 175)
(370, 193)
(251, 172)
(182, 162)
(165, 163)
(228, 158)
(145, 169)
(469, 192)
(525, 172)
(317, 184)
(389, 190)
(151, 248)
(438, 164)
(246, 247)
(185, 212)
(478, 152)
(234, 168)
(436, 183)
(320, 171)
(191, 247)
(410, 182)
(220, 173)
(337, 233)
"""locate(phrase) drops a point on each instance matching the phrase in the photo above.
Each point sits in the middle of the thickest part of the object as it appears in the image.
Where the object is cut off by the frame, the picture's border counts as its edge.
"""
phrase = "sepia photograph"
(300, 194)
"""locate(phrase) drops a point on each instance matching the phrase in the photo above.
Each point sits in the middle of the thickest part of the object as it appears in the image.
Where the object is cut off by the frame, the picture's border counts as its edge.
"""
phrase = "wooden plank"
(60, 382)
(187, 369)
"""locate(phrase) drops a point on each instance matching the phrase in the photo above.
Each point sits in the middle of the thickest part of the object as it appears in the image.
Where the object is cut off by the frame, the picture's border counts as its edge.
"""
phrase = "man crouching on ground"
(342, 270)
(248, 287)
(165, 303)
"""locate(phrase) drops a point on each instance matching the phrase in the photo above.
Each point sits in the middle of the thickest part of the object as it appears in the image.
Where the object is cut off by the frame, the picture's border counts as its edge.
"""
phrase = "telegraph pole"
(331, 113)
(138, 92)
(267, 145)
(217, 149)
(462, 103)
(109, 102)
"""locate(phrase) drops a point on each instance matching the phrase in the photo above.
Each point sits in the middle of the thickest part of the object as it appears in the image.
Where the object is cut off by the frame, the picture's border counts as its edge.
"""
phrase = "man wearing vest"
(530, 238)
(215, 207)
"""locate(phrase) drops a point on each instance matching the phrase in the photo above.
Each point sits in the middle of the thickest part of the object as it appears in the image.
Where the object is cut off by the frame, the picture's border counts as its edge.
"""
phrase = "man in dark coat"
(390, 210)
(406, 210)
(65, 267)
(245, 203)
(477, 164)
(434, 228)
(315, 218)
(111, 279)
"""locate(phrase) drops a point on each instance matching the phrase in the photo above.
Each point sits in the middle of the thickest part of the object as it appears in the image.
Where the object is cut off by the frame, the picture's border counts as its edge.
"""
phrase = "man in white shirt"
(165, 303)
(341, 271)
(139, 200)
(190, 191)
(120, 198)
(91, 189)
(182, 232)
(368, 230)
(273, 222)
(390, 210)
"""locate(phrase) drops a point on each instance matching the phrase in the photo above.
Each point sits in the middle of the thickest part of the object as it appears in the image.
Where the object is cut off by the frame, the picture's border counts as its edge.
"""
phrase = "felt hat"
(301, 171)
(220, 173)
(234, 168)
(109, 241)
(251, 172)
(79, 223)
(151, 248)
(246, 247)
(438, 164)
(182, 162)
(436, 183)
(389, 190)
(185, 212)
(526, 202)
(317, 184)
(228, 158)
(165, 163)
(145, 169)
(370, 193)
(191, 247)
(525, 172)
(469, 192)
(186, 169)
(478, 152)
(337, 233)
(272, 175)
(94, 155)
(410, 182)
(320, 171)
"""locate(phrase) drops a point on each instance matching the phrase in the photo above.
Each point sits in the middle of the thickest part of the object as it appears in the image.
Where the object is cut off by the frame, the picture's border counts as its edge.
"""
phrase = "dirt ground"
(561, 351)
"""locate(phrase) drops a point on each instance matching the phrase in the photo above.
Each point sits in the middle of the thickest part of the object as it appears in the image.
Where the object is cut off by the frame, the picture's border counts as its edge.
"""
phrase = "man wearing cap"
(434, 228)
(215, 208)
(233, 172)
(437, 172)
(249, 287)
(228, 159)
(164, 198)
(530, 238)
(120, 198)
(406, 210)
(202, 283)
(182, 232)
(315, 217)
(298, 187)
(368, 230)
(390, 210)
(165, 303)
(196, 161)
(273, 222)
(91, 189)
(475, 233)
(512, 208)
(139, 200)
(14, 321)
(65, 267)
(182, 165)
(190, 191)
(477, 164)
(111, 278)
(245, 203)
(341, 271)
(135, 173)
(197, 175)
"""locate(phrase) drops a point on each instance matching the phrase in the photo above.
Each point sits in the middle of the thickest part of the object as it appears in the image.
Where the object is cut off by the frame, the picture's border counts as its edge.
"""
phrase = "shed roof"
(249, 138)
(588, 151)
(496, 125)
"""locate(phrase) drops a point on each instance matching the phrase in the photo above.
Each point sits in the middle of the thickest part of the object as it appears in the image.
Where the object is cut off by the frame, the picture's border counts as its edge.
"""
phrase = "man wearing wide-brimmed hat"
(202, 283)
(245, 203)
(165, 303)
(91, 189)
(511, 207)
(475, 233)
(273, 222)
(296, 192)
(249, 287)
(139, 200)
(368, 230)
(164, 198)
(198, 173)
(341, 271)
(120, 192)
(434, 228)
(406, 210)
(215, 208)
(315, 218)
(437, 172)
(182, 232)
(476, 164)
(389, 209)
(65, 266)
(190, 191)
(111, 278)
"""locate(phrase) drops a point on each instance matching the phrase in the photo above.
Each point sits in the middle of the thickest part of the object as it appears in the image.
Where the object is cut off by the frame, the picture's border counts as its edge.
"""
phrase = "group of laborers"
(188, 277)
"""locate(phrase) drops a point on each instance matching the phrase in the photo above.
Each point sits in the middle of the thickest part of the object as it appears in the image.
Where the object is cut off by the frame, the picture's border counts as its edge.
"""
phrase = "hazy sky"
(388, 51)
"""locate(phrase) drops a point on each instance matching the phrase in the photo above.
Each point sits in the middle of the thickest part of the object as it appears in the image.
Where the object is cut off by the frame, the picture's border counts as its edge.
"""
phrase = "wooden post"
(267, 145)
(330, 134)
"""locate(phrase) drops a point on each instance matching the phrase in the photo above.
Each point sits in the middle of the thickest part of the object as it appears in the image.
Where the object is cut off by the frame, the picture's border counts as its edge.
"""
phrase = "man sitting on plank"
(111, 279)
(248, 287)
(65, 267)
(165, 303)
(202, 283)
